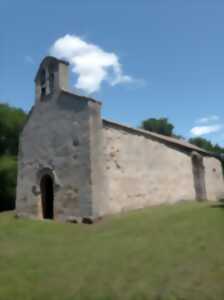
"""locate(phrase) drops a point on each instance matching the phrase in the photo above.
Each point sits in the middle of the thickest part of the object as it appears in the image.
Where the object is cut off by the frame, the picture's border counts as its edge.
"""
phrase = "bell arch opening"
(47, 196)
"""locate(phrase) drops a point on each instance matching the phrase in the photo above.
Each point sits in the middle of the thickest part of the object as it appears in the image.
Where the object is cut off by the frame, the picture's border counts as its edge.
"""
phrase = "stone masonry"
(75, 166)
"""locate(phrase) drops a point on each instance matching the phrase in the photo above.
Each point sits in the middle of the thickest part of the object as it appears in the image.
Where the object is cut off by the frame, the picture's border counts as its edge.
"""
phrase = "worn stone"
(98, 167)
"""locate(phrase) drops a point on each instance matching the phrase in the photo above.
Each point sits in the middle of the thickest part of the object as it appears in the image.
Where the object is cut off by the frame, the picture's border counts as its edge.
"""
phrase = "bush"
(12, 121)
(8, 174)
(161, 126)
(208, 146)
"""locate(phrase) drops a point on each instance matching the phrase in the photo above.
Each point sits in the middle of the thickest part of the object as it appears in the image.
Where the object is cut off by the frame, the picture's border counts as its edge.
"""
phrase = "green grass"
(160, 253)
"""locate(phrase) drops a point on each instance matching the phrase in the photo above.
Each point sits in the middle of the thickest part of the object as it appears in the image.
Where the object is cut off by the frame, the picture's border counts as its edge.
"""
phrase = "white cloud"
(208, 119)
(90, 63)
(201, 130)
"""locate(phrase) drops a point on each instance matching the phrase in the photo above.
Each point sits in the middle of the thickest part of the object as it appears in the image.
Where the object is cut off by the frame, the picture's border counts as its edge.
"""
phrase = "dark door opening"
(199, 177)
(47, 197)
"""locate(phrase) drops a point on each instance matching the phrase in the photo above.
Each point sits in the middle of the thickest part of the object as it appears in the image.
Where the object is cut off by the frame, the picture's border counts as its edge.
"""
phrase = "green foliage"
(8, 171)
(202, 143)
(207, 145)
(12, 121)
(159, 253)
(161, 126)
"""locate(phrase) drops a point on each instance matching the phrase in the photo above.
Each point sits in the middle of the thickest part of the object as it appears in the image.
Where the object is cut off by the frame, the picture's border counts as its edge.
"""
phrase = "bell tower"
(52, 76)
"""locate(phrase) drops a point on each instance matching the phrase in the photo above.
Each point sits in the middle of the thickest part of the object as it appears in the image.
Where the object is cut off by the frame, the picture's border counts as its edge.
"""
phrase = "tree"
(161, 126)
(12, 121)
(8, 172)
(208, 146)
(202, 143)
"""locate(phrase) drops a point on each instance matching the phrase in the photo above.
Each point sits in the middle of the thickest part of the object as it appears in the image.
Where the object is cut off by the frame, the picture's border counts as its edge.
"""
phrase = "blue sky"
(170, 56)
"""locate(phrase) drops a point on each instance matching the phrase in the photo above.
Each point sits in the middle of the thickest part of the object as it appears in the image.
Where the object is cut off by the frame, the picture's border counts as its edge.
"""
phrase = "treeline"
(163, 126)
(12, 121)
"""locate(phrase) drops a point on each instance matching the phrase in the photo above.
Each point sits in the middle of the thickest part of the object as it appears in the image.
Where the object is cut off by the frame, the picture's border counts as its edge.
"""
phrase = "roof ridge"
(171, 140)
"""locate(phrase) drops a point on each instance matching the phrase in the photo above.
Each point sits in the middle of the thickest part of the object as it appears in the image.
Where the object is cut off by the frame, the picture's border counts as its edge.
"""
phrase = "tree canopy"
(161, 126)
(206, 144)
(8, 174)
(202, 143)
(12, 121)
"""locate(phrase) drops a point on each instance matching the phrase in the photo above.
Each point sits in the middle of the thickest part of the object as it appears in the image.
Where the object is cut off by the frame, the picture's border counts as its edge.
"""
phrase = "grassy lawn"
(160, 253)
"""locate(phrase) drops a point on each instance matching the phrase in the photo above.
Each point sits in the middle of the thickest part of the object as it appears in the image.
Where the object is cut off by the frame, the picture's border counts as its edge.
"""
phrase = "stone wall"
(56, 140)
(213, 178)
(143, 172)
(100, 167)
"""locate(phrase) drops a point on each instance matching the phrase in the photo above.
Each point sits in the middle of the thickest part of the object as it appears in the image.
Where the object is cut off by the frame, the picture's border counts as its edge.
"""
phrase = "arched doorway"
(199, 176)
(47, 196)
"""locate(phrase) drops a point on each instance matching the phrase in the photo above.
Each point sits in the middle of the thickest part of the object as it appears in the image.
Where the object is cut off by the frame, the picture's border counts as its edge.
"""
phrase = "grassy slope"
(161, 253)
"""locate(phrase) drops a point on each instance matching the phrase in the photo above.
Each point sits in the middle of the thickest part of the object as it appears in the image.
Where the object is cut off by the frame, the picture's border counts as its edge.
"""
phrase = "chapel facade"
(76, 166)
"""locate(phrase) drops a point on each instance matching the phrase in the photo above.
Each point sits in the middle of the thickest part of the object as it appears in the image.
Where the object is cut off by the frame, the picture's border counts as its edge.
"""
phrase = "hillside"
(160, 253)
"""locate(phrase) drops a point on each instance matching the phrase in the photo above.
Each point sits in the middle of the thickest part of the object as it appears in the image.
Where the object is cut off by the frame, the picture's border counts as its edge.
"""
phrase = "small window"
(51, 82)
(43, 91)
(51, 71)
(43, 77)
(43, 83)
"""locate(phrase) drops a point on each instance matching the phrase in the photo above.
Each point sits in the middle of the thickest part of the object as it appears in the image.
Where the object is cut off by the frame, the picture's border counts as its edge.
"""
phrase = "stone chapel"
(75, 166)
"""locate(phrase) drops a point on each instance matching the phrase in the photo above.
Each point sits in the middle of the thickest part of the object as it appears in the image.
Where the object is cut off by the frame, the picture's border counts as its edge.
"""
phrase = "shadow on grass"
(219, 204)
